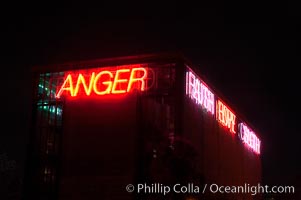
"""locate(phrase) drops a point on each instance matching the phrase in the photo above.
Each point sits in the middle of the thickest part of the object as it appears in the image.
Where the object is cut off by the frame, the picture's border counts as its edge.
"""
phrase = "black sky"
(248, 51)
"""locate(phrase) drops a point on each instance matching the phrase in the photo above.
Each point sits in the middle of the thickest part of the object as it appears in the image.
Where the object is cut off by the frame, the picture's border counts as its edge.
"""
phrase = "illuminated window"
(48, 127)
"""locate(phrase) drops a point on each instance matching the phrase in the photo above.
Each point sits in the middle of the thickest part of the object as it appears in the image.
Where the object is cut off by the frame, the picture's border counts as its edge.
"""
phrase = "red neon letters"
(225, 116)
(105, 82)
(249, 138)
(199, 92)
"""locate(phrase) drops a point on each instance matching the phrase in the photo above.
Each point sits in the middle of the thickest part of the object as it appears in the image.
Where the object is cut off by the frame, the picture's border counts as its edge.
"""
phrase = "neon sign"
(225, 116)
(249, 138)
(104, 82)
(199, 92)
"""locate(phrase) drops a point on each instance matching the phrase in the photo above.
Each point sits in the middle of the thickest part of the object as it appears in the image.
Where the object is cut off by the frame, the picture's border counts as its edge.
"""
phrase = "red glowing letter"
(68, 81)
(134, 78)
(108, 83)
(82, 80)
(117, 80)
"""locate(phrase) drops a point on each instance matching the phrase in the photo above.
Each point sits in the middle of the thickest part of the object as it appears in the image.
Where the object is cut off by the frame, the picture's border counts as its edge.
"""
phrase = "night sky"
(247, 51)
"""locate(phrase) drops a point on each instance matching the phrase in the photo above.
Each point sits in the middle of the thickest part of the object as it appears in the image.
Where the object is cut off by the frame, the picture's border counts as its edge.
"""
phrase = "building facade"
(100, 125)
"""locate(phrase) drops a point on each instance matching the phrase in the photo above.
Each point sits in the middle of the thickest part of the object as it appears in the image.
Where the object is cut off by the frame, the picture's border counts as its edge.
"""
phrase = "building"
(100, 125)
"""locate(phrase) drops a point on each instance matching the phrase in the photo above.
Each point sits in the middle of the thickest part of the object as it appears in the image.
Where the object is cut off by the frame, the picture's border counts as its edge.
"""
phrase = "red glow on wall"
(249, 137)
(118, 81)
(225, 116)
(199, 92)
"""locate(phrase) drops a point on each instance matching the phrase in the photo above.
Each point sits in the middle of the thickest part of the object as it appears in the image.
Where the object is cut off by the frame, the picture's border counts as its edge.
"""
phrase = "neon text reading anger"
(104, 82)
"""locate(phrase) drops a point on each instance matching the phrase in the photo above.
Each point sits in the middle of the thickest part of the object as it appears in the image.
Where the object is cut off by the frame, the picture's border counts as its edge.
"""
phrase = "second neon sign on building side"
(200, 93)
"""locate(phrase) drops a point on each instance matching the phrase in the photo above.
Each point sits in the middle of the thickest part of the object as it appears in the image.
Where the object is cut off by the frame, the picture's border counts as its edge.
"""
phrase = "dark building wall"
(102, 144)
(222, 158)
(99, 148)
(160, 136)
